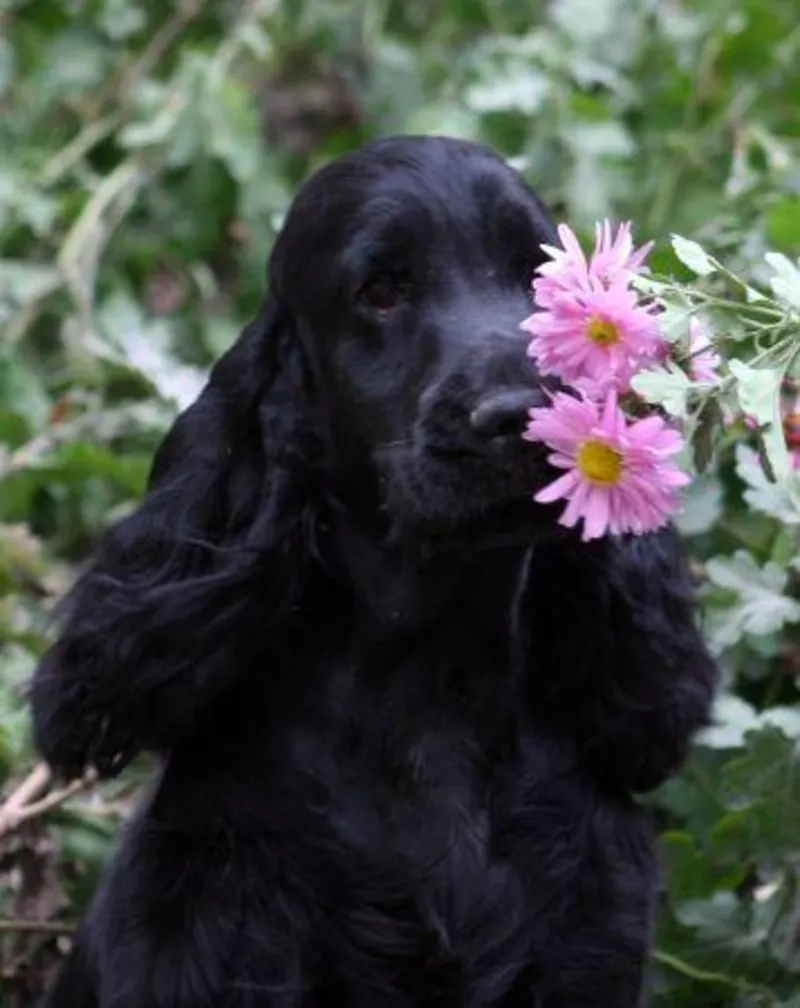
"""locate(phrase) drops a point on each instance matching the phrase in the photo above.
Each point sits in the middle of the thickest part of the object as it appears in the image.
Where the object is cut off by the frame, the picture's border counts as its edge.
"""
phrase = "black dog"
(402, 712)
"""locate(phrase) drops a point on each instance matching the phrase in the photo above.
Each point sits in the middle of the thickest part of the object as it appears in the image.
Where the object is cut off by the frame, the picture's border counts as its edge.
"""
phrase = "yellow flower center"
(599, 463)
(601, 331)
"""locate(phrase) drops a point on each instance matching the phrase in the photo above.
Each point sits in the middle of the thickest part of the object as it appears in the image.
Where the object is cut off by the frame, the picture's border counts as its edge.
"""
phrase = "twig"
(33, 785)
(692, 972)
(82, 248)
(169, 32)
(12, 818)
(16, 327)
(11, 926)
(74, 152)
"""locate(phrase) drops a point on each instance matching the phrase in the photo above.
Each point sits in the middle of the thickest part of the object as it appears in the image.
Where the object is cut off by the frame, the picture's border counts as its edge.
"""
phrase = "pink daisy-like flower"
(614, 260)
(596, 340)
(620, 475)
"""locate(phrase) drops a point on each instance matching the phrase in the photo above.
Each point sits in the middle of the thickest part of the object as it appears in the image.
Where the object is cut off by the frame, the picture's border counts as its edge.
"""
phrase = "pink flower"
(616, 257)
(613, 261)
(596, 339)
(619, 476)
(703, 361)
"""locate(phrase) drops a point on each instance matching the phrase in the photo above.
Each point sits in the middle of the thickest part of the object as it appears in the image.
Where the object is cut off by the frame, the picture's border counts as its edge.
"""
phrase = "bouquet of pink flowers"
(646, 378)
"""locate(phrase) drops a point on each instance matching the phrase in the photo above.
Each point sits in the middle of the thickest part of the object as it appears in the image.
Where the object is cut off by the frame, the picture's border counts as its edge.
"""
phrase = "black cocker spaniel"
(402, 713)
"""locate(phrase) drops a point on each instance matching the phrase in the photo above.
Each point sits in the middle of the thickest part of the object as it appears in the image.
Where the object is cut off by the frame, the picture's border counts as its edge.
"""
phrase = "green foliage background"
(147, 154)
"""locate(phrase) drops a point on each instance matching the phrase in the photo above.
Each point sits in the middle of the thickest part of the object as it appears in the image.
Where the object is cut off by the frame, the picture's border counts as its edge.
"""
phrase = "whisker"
(395, 444)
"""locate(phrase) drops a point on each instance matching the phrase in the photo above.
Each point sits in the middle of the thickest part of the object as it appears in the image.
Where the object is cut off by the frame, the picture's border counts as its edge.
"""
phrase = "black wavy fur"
(402, 714)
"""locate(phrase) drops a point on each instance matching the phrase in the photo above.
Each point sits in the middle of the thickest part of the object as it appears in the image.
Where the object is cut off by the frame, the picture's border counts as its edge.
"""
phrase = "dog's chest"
(407, 770)
(413, 826)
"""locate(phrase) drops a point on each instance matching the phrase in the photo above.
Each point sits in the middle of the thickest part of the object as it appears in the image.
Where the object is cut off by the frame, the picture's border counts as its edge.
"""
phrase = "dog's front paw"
(72, 736)
(112, 748)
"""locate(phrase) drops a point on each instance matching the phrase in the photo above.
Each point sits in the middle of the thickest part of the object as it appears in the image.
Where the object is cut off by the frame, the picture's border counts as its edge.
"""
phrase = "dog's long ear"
(162, 618)
(617, 656)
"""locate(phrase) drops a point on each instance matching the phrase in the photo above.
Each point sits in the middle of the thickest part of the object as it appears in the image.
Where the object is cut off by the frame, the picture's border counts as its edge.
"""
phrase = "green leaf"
(521, 89)
(125, 336)
(786, 283)
(21, 390)
(87, 839)
(779, 500)
(714, 919)
(156, 130)
(766, 781)
(120, 19)
(759, 391)
(78, 461)
(22, 282)
(702, 506)
(233, 128)
(667, 387)
(785, 719)
(732, 718)
(589, 20)
(76, 61)
(687, 867)
(674, 319)
(22, 201)
(762, 606)
(16, 665)
(693, 256)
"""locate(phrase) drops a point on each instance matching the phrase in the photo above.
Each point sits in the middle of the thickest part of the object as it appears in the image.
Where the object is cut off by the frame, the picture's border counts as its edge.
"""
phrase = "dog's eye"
(383, 292)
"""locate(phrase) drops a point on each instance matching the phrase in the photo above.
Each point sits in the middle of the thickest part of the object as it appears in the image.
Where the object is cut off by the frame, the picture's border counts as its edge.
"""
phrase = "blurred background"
(148, 152)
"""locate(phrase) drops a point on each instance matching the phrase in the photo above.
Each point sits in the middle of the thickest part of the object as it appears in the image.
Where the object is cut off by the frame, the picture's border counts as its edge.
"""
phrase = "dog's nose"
(504, 412)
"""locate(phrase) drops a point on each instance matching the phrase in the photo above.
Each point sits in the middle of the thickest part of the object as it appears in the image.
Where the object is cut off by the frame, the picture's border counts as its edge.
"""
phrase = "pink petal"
(561, 461)
(562, 487)
(574, 509)
(609, 420)
(596, 513)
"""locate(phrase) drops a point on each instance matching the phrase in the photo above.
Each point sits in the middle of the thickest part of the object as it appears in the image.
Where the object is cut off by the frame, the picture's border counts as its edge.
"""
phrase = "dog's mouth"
(453, 483)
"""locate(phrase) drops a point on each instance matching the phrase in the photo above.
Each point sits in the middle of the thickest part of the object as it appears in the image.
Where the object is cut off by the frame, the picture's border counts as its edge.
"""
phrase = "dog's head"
(405, 270)
(384, 379)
